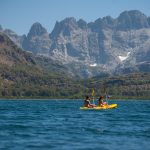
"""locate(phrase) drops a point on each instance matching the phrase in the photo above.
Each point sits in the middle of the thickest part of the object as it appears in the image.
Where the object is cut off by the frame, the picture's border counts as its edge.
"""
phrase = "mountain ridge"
(107, 42)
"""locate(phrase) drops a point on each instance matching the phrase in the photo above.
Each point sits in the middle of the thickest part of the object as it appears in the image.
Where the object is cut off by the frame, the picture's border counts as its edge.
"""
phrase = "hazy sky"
(19, 15)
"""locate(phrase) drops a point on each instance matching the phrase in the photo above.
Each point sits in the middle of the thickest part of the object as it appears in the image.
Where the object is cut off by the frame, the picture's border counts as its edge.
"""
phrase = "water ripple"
(60, 125)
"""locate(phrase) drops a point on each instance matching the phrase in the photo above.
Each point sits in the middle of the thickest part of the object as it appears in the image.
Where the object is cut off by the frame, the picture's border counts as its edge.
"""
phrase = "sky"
(19, 15)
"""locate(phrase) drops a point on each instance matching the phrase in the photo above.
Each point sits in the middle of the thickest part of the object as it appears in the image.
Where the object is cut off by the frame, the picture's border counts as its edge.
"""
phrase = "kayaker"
(101, 102)
(87, 102)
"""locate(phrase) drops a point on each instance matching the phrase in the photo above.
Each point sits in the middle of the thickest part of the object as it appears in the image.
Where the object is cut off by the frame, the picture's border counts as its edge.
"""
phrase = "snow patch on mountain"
(93, 65)
(122, 58)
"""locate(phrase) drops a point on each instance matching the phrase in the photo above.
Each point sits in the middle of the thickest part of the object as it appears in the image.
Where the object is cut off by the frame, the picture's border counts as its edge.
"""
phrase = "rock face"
(11, 54)
(106, 45)
(37, 40)
(107, 42)
(132, 20)
(81, 42)
(70, 42)
(18, 40)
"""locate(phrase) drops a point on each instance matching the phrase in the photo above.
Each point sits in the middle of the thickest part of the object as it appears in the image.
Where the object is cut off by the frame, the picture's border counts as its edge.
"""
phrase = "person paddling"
(87, 102)
(101, 103)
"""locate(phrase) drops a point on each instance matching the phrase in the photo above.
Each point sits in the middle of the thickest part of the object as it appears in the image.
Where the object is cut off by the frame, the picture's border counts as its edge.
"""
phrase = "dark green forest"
(29, 82)
(129, 86)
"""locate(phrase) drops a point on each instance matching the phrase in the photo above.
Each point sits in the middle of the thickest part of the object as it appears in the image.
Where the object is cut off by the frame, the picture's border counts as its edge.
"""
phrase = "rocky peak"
(56, 31)
(133, 19)
(65, 27)
(36, 30)
(10, 32)
(108, 22)
(14, 37)
(102, 23)
(95, 26)
(70, 22)
(37, 40)
(82, 24)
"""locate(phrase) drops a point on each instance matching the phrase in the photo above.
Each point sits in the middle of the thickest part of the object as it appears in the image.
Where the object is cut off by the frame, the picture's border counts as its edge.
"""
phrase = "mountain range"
(105, 46)
(25, 75)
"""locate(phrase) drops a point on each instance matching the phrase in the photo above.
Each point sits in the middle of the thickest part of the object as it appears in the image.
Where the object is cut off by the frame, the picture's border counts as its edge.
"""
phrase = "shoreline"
(69, 99)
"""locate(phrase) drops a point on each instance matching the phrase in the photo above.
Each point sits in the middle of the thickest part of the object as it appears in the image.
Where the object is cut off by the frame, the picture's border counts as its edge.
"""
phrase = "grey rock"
(37, 40)
(82, 24)
(18, 40)
(132, 20)
(108, 42)
(105, 46)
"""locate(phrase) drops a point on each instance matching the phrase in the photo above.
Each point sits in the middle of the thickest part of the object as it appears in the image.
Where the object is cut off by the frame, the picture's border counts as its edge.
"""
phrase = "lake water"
(60, 125)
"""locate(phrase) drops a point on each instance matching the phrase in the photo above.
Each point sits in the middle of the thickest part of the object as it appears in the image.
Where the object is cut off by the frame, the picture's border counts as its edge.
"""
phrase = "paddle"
(93, 93)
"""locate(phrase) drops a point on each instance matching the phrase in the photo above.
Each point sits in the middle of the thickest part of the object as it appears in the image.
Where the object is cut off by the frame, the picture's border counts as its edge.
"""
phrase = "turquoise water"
(60, 125)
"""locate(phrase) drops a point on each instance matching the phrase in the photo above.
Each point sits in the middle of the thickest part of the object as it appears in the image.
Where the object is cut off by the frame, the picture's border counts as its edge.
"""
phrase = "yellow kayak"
(111, 106)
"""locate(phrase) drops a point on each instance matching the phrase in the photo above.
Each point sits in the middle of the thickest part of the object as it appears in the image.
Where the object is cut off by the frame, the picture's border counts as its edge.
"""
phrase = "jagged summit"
(82, 24)
(107, 42)
(64, 27)
(36, 30)
(133, 19)
(37, 40)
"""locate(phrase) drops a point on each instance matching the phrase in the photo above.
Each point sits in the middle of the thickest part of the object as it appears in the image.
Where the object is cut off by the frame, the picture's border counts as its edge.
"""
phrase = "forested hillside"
(128, 86)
